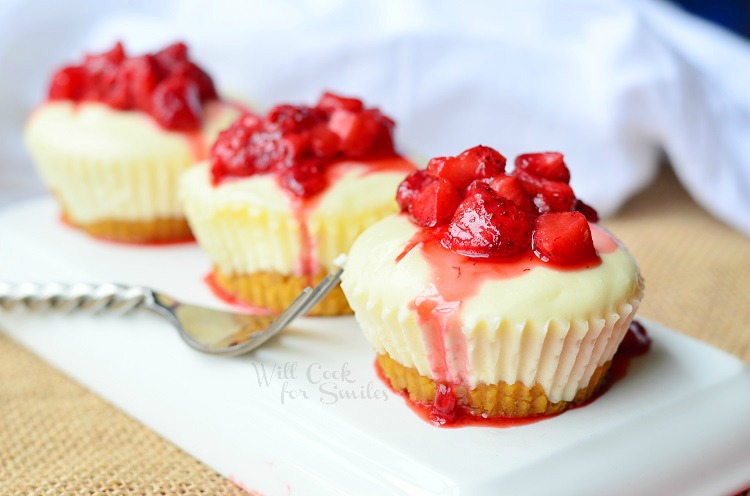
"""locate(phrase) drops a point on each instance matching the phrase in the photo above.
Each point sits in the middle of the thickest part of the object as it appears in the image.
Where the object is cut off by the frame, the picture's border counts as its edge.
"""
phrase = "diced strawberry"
(292, 118)
(475, 163)
(486, 225)
(176, 104)
(488, 161)
(563, 238)
(510, 188)
(69, 83)
(105, 61)
(445, 403)
(324, 143)
(356, 131)
(545, 165)
(229, 154)
(548, 195)
(410, 186)
(434, 204)
(381, 144)
(295, 145)
(250, 121)
(303, 138)
(587, 210)
(138, 77)
(194, 73)
(305, 179)
(126, 83)
(331, 102)
(168, 56)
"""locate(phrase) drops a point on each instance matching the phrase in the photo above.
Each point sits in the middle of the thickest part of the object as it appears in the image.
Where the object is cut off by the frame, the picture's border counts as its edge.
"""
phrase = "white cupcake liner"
(128, 190)
(104, 164)
(242, 238)
(560, 356)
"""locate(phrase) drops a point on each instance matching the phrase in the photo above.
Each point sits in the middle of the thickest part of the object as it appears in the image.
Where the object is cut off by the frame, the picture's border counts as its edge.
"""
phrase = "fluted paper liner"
(112, 191)
(559, 356)
(257, 252)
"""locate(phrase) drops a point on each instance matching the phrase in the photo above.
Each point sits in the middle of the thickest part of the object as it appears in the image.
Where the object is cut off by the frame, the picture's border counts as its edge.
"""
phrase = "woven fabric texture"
(58, 438)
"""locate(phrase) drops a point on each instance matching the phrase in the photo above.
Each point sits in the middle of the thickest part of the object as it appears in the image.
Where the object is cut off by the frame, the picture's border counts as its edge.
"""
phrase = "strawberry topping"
(587, 210)
(409, 187)
(487, 225)
(563, 238)
(478, 210)
(434, 205)
(475, 163)
(546, 165)
(165, 85)
(298, 142)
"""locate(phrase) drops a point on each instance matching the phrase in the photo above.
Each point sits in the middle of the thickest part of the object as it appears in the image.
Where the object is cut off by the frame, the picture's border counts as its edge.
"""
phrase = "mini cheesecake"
(492, 294)
(282, 196)
(115, 134)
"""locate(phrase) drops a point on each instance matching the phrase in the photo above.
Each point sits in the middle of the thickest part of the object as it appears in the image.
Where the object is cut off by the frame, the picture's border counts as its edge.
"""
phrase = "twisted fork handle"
(70, 297)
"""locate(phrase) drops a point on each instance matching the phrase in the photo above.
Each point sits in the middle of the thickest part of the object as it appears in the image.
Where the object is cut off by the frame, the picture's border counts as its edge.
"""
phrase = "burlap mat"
(57, 437)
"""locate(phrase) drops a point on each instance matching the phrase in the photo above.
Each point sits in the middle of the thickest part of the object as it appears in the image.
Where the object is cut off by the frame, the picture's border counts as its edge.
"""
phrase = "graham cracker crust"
(276, 291)
(490, 400)
(140, 232)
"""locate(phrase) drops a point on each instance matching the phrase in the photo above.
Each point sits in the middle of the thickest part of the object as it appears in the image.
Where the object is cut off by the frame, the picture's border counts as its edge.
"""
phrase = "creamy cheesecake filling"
(545, 326)
(106, 164)
(250, 225)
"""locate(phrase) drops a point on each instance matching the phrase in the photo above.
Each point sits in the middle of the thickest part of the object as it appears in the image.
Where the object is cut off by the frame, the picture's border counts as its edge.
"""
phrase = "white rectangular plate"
(676, 424)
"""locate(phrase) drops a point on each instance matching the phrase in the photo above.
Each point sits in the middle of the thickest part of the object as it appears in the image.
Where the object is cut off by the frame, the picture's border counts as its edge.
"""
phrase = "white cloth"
(610, 83)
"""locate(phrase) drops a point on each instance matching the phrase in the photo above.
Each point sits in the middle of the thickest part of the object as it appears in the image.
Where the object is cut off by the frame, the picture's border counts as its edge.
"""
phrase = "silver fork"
(210, 331)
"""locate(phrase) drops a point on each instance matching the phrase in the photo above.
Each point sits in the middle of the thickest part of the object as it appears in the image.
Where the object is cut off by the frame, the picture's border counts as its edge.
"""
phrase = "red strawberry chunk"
(324, 143)
(434, 204)
(409, 187)
(298, 142)
(546, 165)
(176, 104)
(106, 61)
(510, 188)
(69, 83)
(140, 76)
(170, 55)
(146, 83)
(306, 178)
(563, 238)
(486, 225)
(548, 195)
(587, 210)
(475, 163)
(445, 403)
(191, 71)
(357, 131)
(331, 102)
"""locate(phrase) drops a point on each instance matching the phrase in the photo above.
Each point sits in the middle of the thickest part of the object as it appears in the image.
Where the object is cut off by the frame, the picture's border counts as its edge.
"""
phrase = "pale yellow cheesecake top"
(100, 132)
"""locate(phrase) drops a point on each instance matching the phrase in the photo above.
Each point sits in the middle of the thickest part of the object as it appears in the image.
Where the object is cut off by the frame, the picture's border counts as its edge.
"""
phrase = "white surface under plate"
(676, 424)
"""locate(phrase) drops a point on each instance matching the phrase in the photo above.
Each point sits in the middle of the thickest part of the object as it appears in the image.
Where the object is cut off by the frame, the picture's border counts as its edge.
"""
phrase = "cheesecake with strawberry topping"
(116, 132)
(283, 195)
(493, 292)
